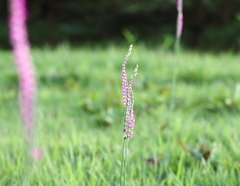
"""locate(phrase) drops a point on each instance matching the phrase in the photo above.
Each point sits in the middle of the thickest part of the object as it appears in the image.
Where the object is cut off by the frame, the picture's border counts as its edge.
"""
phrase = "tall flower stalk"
(129, 117)
(26, 75)
(21, 52)
(179, 26)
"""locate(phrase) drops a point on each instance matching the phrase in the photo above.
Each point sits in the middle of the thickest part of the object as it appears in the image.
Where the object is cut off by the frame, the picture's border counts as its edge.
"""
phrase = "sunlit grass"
(79, 118)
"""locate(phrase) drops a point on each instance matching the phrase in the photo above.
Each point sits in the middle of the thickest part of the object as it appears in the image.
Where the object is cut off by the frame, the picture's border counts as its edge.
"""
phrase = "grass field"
(187, 118)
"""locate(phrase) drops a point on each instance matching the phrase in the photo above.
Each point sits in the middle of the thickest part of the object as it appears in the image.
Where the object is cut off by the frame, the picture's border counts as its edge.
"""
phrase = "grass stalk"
(129, 117)
(124, 162)
(177, 45)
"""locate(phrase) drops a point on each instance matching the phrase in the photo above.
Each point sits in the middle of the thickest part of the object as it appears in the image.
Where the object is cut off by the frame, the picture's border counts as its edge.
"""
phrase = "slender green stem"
(124, 162)
(27, 169)
(172, 93)
(177, 45)
(174, 81)
(28, 141)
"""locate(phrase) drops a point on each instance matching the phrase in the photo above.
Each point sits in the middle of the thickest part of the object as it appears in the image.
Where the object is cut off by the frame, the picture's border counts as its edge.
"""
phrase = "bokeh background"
(208, 24)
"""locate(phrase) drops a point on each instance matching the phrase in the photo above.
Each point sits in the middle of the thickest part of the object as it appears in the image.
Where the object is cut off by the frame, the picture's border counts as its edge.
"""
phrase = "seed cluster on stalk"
(128, 99)
(27, 80)
(180, 19)
(21, 51)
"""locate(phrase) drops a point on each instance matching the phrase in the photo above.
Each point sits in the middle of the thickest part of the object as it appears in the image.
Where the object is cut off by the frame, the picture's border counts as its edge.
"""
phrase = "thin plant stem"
(172, 103)
(124, 162)
(177, 45)
(27, 160)
(174, 82)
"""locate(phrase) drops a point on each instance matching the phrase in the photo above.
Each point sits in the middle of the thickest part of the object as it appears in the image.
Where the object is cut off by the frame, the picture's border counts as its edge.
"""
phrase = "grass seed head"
(128, 98)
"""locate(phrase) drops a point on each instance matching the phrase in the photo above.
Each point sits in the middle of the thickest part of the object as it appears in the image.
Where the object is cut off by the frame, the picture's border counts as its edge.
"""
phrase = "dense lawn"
(187, 125)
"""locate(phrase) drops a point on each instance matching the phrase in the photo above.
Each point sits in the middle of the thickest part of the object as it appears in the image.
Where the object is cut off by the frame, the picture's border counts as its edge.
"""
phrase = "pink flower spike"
(127, 94)
(180, 25)
(36, 153)
(179, 5)
(26, 75)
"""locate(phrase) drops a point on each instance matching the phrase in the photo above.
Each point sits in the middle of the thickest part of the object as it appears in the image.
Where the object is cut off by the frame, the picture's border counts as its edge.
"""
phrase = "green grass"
(79, 119)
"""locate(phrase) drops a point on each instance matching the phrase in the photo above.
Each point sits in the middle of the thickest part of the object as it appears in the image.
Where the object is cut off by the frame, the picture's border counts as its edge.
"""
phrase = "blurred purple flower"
(21, 52)
(180, 19)
(180, 25)
(179, 5)
(36, 153)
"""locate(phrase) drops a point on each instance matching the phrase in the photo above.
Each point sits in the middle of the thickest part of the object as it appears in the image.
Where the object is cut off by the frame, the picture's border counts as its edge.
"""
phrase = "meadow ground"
(187, 118)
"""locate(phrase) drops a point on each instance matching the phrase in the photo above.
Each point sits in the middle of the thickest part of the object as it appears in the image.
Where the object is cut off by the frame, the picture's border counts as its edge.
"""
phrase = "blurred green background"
(208, 24)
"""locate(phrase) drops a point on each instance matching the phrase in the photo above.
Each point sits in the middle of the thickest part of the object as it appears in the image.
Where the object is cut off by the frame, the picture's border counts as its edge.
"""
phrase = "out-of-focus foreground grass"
(80, 118)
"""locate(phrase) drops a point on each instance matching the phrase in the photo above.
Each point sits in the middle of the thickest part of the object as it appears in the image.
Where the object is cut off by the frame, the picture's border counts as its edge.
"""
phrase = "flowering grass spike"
(21, 51)
(27, 80)
(129, 117)
(179, 24)
(128, 99)
(180, 19)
